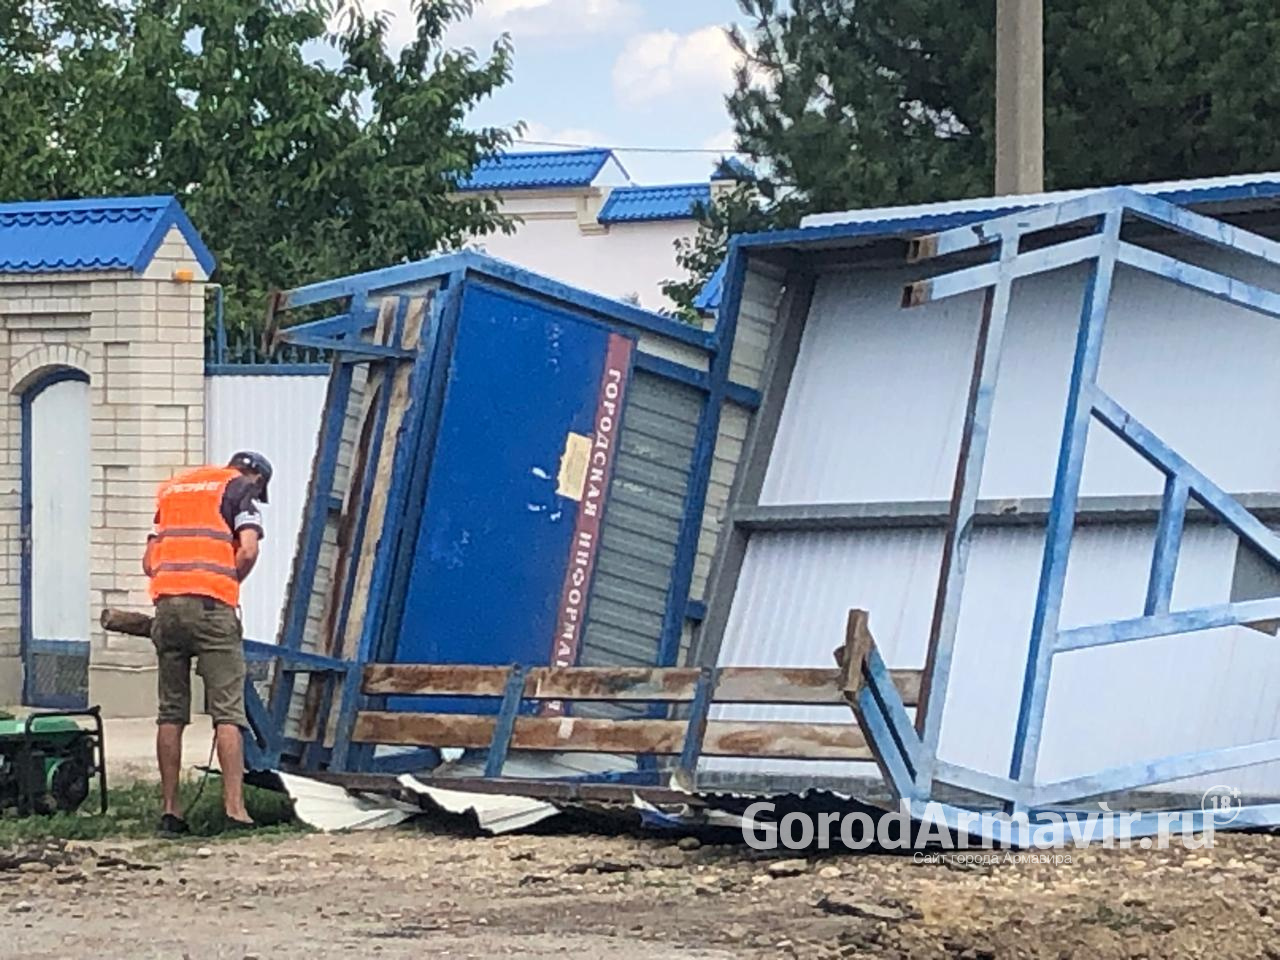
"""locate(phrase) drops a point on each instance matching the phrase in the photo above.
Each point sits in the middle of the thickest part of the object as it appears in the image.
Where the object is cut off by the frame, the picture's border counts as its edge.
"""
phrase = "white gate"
(56, 497)
(277, 415)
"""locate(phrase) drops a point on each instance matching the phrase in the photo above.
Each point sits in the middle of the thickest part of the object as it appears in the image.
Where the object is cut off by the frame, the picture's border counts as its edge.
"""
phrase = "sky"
(618, 73)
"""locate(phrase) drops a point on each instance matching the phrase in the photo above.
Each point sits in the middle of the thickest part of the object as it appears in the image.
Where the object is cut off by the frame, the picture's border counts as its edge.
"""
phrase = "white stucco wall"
(561, 239)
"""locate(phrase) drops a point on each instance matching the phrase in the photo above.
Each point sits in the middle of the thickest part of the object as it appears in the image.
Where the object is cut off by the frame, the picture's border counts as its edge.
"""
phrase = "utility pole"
(1019, 96)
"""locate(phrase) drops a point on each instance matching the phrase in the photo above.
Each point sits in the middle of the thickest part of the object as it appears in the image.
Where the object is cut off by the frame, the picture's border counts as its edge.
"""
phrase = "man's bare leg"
(231, 761)
(169, 759)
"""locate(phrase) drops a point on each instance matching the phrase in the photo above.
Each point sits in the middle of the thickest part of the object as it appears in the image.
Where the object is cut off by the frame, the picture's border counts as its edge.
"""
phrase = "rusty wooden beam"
(787, 741)
(795, 685)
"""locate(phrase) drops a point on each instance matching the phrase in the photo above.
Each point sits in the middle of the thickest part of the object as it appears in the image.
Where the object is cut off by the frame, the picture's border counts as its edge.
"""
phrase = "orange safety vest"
(194, 550)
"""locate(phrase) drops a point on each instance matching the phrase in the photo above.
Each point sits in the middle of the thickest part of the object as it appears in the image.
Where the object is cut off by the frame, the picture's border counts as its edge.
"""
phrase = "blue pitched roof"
(674, 202)
(107, 233)
(556, 168)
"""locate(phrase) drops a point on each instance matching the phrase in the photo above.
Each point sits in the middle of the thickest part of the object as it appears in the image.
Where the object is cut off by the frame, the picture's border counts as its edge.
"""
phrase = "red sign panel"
(586, 532)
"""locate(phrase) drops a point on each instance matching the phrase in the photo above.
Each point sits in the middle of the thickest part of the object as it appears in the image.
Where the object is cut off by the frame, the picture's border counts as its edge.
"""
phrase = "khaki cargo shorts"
(208, 630)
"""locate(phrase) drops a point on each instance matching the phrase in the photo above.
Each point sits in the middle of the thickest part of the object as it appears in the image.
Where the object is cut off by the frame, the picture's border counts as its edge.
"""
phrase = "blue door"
(510, 524)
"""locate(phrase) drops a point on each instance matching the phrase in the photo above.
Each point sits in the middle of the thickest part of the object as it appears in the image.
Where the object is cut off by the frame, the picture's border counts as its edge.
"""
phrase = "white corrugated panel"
(874, 414)
(1106, 707)
(877, 398)
(279, 417)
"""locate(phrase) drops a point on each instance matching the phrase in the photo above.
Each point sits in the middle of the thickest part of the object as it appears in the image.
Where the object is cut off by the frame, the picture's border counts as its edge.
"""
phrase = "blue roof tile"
(708, 298)
(109, 233)
(559, 168)
(677, 202)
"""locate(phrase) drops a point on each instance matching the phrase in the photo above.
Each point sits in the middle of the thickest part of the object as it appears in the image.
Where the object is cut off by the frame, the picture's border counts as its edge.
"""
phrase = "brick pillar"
(140, 339)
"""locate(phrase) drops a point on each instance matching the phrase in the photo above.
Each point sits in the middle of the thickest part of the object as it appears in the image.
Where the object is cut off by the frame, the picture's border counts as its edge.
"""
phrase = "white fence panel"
(279, 417)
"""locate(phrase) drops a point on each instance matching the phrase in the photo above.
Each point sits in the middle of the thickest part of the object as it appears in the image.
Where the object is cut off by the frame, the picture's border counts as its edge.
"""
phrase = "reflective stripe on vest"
(203, 532)
(197, 565)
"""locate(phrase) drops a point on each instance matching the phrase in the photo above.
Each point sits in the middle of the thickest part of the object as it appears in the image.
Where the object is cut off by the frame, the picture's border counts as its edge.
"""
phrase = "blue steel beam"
(877, 679)
(311, 536)
(967, 778)
(373, 453)
(352, 323)
(964, 500)
(354, 350)
(884, 745)
(1020, 223)
(705, 439)
(986, 275)
(420, 271)
(1169, 624)
(396, 507)
(437, 268)
(1211, 231)
(1149, 772)
(500, 744)
(1164, 558)
(255, 651)
(1164, 458)
(1216, 285)
(439, 354)
(1062, 512)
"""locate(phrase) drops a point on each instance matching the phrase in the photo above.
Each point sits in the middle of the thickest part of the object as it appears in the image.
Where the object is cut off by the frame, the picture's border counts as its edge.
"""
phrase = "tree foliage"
(738, 209)
(301, 146)
(853, 103)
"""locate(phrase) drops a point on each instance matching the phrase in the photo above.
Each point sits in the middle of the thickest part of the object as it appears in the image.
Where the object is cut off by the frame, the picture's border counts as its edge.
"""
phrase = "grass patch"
(133, 810)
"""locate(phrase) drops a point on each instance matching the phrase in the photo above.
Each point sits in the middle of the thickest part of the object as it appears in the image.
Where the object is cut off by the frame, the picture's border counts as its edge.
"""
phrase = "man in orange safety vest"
(205, 542)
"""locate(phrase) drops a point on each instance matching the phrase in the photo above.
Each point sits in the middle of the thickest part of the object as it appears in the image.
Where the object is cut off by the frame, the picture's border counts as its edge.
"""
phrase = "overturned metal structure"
(510, 471)
(355, 682)
(1101, 232)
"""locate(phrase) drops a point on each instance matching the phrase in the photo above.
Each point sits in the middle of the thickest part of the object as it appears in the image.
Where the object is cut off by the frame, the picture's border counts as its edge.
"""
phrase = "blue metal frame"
(28, 644)
(700, 471)
(877, 703)
(421, 410)
(311, 535)
(374, 282)
(505, 725)
(341, 336)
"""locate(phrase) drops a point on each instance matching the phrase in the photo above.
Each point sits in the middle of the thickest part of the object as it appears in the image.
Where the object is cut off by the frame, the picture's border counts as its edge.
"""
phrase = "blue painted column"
(1062, 509)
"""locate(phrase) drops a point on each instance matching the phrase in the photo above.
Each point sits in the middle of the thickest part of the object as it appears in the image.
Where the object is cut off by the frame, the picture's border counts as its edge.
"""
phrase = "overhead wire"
(603, 146)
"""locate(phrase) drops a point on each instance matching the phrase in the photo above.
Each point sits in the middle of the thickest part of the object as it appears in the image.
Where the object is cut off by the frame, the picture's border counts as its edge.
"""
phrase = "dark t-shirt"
(238, 507)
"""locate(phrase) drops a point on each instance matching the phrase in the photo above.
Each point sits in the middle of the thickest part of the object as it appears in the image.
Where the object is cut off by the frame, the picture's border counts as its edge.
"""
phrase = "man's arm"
(246, 551)
(147, 566)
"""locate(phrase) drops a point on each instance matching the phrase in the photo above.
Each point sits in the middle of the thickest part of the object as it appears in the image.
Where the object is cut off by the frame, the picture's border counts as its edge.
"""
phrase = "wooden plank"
(787, 741)
(776, 685)
(852, 657)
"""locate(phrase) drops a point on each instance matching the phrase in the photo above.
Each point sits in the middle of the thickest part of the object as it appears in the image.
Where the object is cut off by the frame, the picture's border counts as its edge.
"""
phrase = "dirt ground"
(409, 892)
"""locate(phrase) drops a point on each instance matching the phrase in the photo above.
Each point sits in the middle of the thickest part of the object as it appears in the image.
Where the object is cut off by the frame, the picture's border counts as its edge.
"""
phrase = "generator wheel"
(69, 783)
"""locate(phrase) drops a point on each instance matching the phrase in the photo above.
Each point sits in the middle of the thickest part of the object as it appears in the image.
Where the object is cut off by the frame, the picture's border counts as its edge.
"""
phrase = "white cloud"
(725, 140)
(664, 64)
(523, 19)
(545, 134)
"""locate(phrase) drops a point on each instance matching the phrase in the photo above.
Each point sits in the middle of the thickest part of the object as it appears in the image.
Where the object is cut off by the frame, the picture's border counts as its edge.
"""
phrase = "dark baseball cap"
(248, 460)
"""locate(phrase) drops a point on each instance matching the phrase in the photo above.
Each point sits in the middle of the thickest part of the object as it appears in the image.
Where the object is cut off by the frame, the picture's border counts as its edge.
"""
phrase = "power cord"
(208, 769)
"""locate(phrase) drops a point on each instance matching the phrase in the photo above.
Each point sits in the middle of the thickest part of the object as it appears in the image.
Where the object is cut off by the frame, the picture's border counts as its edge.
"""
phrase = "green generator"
(49, 761)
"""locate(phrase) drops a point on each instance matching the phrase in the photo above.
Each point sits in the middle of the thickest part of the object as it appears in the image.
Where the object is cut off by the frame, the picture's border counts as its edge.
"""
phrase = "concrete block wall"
(140, 339)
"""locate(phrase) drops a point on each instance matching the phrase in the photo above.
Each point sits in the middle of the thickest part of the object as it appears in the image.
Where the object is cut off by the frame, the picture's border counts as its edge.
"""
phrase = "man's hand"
(246, 551)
